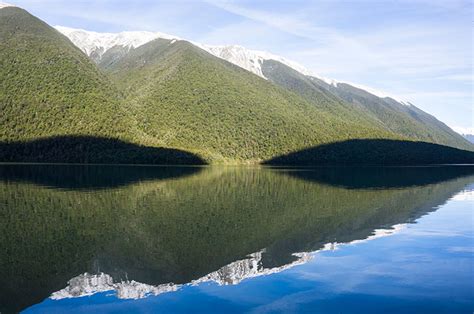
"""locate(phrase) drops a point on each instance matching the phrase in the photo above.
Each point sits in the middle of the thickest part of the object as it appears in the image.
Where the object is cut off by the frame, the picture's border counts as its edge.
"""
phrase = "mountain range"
(138, 96)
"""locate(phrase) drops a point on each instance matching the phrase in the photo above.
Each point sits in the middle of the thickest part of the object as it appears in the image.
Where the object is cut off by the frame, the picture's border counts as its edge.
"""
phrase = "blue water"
(426, 268)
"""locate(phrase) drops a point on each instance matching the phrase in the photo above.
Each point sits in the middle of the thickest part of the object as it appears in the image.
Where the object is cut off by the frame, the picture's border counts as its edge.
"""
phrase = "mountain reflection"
(379, 177)
(219, 224)
(232, 274)
(89, 177)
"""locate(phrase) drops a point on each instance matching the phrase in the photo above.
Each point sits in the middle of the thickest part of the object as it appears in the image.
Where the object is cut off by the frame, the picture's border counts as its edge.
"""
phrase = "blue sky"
(419, 51)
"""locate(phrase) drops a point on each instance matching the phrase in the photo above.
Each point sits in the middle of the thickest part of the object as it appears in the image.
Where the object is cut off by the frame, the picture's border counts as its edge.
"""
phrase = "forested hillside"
(184, 97)
(48, 87)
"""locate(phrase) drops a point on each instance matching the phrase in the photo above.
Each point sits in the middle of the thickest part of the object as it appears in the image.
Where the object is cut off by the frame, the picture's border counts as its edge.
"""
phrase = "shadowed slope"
(377, 152)
(88, 149)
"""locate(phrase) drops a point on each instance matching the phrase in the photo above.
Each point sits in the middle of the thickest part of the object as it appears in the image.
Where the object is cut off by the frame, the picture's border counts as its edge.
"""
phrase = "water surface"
(233, 239)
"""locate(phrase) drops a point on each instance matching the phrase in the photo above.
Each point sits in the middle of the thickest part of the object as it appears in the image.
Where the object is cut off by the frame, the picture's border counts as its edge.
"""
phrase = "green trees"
(48, 87)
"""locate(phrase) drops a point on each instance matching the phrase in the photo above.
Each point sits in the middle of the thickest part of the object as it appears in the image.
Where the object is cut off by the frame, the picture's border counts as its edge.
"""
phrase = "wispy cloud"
(293, 24)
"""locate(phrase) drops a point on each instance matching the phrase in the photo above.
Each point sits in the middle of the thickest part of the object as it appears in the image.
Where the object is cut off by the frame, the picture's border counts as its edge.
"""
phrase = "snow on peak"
(93, 42)
(250, 60)
(4, 5)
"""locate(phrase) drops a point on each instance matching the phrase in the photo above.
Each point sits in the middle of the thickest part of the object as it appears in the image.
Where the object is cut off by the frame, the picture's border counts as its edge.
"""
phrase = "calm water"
(126, 239)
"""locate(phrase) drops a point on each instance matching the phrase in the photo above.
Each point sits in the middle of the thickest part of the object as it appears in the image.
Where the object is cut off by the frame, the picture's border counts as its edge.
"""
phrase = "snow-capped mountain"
(236, 272)
(250, 60)
(468, 136)
(99, 43)
(95, 44)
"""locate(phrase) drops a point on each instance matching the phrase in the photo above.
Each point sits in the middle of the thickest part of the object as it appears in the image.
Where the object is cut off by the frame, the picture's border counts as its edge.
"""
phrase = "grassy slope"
(183, 97)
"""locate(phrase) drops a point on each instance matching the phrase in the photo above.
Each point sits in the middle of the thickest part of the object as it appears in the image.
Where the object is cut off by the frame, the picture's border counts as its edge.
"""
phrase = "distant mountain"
(146, 90)
(469, 137)
(466, 133)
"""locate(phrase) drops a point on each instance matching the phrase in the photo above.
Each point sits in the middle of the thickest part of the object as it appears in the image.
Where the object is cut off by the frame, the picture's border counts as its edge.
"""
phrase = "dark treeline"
(375, 152)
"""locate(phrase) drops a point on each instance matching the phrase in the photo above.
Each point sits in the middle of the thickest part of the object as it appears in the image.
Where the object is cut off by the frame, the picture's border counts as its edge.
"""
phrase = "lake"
(126, 239)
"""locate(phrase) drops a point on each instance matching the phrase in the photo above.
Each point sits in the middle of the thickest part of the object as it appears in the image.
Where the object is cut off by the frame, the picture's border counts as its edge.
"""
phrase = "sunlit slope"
(186, 98)
(48, 87)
